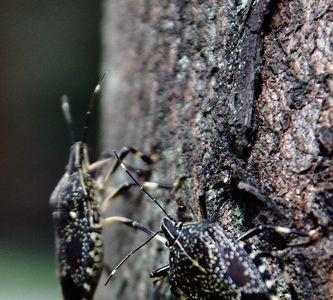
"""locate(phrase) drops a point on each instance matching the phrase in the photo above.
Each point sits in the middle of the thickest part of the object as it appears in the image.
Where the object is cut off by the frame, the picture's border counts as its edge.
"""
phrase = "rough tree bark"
(224, 91)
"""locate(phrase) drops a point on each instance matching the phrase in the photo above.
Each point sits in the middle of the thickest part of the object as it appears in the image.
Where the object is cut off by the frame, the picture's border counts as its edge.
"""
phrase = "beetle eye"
(167, 244)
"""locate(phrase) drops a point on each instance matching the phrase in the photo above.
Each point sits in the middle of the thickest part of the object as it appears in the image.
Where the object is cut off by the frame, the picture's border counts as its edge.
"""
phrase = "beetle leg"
(141, 187)
(99, 164)
(113, 168)
(260, 196)
(124, 152)
(162, 271)
(279, 229)
(114, 195)
(253, 190)
(146, 158)
(203, 205)
(102, 179)
(126, 186)
(157, 294)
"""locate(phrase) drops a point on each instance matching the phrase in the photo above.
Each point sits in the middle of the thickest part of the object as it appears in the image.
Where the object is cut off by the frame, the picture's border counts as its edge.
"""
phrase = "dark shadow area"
(48, 48)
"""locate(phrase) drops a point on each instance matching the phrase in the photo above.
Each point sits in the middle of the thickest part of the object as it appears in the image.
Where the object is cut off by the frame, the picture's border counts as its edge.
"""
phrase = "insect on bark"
(77, 205)
(206, 263)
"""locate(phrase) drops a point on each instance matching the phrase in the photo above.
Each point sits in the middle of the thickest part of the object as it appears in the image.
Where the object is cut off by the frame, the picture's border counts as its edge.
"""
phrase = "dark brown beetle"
(77, 205)
(205, 263)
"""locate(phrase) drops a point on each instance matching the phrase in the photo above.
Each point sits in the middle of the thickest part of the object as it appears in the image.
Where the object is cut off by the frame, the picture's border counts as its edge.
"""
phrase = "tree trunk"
(224, 92)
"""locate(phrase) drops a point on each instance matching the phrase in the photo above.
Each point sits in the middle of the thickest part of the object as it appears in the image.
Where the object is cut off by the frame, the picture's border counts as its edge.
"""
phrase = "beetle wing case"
(54, 198)
(79, 246)
(205, 263)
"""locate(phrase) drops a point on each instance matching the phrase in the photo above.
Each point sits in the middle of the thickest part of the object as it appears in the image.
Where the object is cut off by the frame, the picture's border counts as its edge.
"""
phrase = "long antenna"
(141, 187)
(128, 256)
(91, 107)
(68, 117)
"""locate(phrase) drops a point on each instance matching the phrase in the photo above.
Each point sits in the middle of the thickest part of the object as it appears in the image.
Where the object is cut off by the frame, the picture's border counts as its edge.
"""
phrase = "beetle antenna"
(68, 117)
(141, 187)
(128, 256)
(91, 107)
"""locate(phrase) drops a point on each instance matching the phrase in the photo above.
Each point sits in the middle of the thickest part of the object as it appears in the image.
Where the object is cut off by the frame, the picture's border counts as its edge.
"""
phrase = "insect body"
(205, 263)
(77, 220)
(77, 216)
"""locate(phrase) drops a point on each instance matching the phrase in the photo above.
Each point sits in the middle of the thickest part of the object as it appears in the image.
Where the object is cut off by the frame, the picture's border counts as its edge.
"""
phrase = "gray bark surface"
(224, 91)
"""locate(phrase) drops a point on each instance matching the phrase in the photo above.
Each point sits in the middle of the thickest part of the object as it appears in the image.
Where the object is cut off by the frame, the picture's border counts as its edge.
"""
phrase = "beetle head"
(171, 230)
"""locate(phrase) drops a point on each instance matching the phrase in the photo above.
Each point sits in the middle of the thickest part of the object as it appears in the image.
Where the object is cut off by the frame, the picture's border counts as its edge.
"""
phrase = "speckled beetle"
(205, 263)
(77, 212)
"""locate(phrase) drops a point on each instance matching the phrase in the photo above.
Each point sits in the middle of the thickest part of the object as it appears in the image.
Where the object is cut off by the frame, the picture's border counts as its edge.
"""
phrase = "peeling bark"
(224, 91)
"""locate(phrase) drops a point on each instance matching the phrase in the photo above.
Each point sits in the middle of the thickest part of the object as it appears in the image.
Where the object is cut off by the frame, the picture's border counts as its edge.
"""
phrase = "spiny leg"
(105, 158)
(146, 158)
(203, 205)
(99, 164)
(122, 154)
(126, 186)
(142, 188)
(114, 195)
(159, 274)
(127, 150)
(260, 196)
(279, 229)
(158, 284)
(162, 271)
(101, 181)
(253, 191)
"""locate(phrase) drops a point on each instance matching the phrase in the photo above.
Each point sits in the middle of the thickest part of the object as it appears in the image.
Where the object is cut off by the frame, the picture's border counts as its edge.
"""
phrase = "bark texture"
(224, 91)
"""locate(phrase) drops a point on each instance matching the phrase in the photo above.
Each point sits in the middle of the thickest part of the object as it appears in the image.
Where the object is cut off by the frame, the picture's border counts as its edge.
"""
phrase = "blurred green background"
(47, 48)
